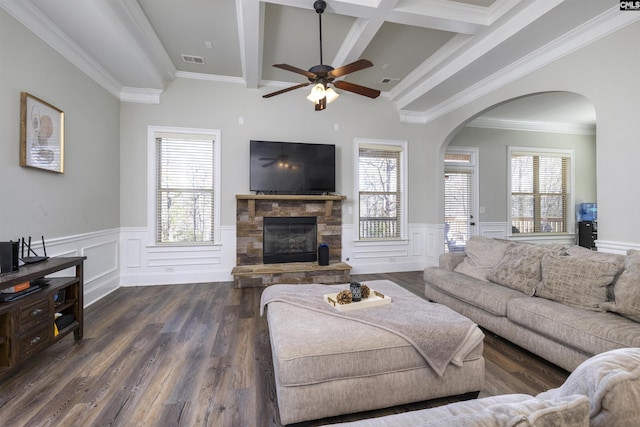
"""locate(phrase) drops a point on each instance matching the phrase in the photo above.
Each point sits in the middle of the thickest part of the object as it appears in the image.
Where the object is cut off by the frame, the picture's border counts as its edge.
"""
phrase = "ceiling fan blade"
(360, 90)
(278, 92)
(360, 64)
(293, 69)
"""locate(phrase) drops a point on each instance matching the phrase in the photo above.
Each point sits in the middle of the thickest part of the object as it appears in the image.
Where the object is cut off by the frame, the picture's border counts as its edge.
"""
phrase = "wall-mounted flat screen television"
(292, 167)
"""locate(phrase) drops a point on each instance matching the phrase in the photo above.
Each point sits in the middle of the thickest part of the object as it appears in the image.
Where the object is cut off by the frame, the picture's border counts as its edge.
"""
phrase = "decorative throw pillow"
(576, 281)
(617, 259)
(482, 253)
(520, 267)
(627, 289)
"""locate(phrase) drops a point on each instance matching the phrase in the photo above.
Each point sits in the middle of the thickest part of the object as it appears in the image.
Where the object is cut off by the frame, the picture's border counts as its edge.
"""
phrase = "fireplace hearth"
(289, 239)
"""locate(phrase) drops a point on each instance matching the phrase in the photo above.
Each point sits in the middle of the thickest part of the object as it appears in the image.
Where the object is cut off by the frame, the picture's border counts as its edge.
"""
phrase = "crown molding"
(211, 77)
(532, 126)
(28, 15)
(146, 39)
(140, 95)
(475, 48)
(599, 27)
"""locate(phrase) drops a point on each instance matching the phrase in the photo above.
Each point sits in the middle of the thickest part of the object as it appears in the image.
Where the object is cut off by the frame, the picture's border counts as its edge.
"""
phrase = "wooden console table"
(28, 324)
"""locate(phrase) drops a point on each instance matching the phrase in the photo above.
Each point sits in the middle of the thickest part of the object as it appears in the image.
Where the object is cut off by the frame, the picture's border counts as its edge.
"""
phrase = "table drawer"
(34, 339)
(34, 313)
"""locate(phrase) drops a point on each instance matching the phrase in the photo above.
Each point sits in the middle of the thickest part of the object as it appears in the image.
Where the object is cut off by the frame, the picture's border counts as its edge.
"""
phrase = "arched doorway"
(541, 122)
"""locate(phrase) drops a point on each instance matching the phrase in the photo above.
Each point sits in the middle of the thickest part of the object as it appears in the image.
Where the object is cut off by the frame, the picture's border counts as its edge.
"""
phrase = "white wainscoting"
(144, 263)
(420, 249)
(124, 257)
(502, 230)
(102, 266)
(615, 247)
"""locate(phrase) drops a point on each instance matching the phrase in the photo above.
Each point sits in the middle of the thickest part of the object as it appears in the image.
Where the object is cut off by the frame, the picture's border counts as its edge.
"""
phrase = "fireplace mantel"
(287, 197)
(328, 205)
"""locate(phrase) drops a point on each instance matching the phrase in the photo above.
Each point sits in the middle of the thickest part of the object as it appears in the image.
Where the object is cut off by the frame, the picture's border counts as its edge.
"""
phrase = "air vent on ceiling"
(191, 59)
(389, 80)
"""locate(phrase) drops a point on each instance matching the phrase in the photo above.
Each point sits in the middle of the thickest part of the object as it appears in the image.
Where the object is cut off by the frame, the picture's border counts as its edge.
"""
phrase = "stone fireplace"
(254, 211)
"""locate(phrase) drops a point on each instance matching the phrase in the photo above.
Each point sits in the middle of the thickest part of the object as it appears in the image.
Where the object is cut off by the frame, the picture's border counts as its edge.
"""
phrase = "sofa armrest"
(449, 261)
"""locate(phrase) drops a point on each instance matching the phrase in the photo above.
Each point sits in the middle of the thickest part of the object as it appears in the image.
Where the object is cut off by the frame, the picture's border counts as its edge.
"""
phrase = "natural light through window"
(541, 191)
(381, 192)
(185, 187)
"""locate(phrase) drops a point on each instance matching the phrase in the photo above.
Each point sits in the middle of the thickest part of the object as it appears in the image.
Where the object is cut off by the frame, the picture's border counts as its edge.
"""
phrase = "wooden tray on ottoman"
(375, 299)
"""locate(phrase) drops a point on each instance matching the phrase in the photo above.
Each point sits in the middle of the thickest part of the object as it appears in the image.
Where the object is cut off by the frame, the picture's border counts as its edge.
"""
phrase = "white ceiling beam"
(250, 30)
(145, 38)
(362, 33)
(475, 49)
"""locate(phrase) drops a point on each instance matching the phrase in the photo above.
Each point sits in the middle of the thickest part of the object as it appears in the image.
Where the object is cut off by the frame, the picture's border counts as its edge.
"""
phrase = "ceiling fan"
(323, 75)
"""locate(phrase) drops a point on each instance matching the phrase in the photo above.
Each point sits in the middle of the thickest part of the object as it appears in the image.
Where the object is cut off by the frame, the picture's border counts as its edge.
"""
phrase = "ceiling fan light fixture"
(331, 95)
(322, 75)
(317, 93)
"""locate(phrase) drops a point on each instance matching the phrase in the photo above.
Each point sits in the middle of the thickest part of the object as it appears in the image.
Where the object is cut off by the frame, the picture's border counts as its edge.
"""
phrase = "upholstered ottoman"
(327, 363)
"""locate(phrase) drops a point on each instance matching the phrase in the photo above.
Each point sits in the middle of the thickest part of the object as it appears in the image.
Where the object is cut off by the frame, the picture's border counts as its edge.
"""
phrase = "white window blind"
(380, 191)
(185, 189)
(540, 192)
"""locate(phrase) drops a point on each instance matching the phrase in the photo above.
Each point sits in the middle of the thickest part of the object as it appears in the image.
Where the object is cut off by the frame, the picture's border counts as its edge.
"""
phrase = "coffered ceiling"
(429, 56)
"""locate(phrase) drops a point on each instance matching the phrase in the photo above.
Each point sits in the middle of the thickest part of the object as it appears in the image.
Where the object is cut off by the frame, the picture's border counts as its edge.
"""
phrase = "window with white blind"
(186, 187)
(541, 187)
(381, 189)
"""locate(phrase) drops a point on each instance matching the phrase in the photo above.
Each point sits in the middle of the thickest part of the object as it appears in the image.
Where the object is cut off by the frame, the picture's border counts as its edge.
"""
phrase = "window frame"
(153, 132)
(542, 151)
(380, 144)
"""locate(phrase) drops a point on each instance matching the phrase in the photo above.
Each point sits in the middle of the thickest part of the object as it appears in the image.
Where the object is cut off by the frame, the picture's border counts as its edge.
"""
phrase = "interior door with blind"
(460, 198)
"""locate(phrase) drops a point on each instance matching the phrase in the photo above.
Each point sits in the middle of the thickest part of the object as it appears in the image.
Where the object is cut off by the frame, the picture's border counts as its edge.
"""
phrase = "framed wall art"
(41, 134)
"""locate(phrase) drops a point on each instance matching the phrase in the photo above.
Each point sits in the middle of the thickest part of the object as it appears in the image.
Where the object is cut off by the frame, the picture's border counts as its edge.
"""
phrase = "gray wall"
(86, 197)
(493, 170)
(289, 117)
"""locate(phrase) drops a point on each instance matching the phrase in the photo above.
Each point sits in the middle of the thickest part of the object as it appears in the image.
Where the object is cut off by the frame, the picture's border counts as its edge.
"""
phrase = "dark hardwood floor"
(196, 355)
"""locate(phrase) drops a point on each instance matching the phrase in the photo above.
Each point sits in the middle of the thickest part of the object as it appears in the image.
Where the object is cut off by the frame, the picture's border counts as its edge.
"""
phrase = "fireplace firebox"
(289, 239)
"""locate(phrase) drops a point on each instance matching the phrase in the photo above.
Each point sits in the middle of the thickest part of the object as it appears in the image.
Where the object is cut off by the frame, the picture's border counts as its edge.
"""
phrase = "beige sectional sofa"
(564, 304)
(603, 391)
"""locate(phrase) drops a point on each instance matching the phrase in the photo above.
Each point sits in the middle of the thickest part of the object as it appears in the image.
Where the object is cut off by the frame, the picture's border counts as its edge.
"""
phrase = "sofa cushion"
(611, 380)
(589, 332)
(482, 254)
(485, 295)
(450, 260)
(626, 290)
(576, 281)
(520, 267)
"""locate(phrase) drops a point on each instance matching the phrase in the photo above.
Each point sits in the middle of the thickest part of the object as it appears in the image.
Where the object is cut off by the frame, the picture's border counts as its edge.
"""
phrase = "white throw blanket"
(436, 331)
